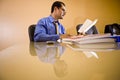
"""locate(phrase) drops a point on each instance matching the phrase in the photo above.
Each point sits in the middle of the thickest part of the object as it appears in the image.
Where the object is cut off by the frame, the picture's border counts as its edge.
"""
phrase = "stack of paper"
(94, 38)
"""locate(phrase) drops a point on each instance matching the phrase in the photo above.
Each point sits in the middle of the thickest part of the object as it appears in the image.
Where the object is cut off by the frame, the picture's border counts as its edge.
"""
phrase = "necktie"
(56, 27)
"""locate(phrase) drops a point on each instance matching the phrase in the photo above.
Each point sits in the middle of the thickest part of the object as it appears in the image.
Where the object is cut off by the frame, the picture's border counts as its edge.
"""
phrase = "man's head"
(58, 10)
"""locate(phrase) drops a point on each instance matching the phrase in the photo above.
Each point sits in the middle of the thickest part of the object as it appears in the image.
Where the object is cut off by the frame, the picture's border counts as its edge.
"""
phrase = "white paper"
(87, 25)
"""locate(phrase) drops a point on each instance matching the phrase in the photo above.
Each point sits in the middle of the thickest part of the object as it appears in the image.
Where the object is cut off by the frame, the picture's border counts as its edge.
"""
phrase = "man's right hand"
(71, 36)
(65, 36)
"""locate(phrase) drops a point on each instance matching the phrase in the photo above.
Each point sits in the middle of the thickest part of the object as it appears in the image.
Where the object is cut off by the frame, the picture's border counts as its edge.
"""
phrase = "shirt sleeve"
(41, 33)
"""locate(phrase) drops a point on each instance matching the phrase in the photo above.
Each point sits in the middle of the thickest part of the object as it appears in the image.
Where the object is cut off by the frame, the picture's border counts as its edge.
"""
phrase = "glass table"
(42, 61)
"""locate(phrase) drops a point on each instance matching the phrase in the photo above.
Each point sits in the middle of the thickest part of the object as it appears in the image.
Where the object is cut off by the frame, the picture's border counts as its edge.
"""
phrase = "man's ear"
(55, 8)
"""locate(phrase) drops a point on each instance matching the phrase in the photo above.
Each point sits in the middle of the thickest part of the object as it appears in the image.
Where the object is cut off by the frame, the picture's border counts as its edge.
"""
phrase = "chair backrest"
(31, 31)
(92, 30)
(114, 29)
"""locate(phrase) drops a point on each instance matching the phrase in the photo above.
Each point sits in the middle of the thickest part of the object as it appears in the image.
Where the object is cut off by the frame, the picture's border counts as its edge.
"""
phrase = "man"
(49, 28)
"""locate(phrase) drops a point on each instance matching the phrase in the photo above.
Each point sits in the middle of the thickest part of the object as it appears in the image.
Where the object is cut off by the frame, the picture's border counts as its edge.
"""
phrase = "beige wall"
(17, 15)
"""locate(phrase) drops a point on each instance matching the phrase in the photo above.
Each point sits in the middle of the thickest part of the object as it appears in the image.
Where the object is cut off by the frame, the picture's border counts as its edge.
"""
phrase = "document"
(87, 25)
(93, 38)
(101, 40)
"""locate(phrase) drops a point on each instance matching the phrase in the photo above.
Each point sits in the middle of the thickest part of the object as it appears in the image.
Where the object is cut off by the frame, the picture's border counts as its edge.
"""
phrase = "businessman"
(49, 28)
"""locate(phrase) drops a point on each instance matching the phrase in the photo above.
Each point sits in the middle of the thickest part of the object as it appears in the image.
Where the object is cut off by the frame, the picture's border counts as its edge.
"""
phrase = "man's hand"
(77, 36)
(65, 36)
(71, 36)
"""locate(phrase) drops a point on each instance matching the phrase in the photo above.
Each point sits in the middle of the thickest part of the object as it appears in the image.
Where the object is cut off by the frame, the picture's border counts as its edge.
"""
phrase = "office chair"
(92, 30)
(114, 29)
(31, 31)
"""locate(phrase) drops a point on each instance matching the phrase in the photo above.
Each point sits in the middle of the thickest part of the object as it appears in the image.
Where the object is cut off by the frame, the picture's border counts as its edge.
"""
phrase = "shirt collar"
(52, 19)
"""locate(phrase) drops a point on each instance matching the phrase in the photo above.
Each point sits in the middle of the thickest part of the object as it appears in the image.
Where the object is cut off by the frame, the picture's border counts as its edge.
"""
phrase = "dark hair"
(57, 4)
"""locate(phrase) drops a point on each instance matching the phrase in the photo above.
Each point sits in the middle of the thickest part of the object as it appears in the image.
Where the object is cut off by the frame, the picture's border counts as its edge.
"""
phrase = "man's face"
(60, 12)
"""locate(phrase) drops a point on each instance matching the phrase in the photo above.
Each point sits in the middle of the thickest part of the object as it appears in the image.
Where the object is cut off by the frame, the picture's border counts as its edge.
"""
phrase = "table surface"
(41, 61)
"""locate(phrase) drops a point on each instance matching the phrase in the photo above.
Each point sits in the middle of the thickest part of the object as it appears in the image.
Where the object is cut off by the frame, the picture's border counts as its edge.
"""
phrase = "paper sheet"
(87, 25)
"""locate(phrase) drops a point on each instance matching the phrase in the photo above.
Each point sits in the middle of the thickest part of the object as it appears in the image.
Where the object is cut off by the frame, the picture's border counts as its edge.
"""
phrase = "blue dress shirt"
(45, 30)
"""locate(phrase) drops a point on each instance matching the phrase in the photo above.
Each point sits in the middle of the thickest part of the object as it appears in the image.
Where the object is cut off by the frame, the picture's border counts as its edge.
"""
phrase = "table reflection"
(90, 50)
(50, 53)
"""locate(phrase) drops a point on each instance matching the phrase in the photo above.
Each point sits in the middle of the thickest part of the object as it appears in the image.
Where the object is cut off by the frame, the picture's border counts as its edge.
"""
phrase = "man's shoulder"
(48, 18)
(44, 18)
